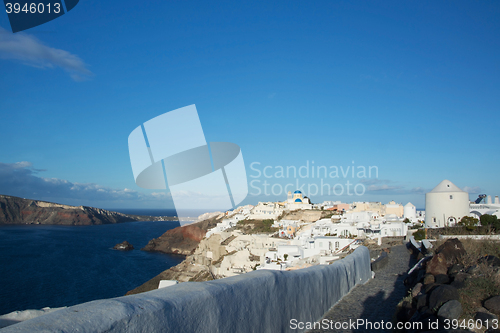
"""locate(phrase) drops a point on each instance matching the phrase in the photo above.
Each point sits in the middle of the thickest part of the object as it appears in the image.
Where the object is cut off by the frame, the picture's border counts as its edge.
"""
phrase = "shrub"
(419, 234)
(490, 220)
(470, 223)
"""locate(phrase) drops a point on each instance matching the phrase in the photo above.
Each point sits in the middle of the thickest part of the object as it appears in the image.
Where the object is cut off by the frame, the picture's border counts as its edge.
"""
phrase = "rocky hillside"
(457, 283)
(14, 210)
(181, 240)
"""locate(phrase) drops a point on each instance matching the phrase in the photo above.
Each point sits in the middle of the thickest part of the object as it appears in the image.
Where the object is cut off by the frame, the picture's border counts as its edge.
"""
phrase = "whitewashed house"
(266, 210)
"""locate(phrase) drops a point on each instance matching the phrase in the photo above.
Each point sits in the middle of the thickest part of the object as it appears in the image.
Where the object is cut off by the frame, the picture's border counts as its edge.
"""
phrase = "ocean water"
(65, 265)
(193, 213)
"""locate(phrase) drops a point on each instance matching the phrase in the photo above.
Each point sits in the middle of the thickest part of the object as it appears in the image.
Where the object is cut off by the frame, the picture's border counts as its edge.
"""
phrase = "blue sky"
(410, 87)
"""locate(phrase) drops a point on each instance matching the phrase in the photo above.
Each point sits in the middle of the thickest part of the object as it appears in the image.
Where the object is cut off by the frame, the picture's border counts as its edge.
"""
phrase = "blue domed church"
(297, 201)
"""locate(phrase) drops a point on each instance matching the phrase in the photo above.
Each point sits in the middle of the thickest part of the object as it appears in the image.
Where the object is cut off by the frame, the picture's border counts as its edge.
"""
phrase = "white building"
(445, 205)
(266, 210)
(410, 212)
(486, 207)
(297, 201)
(421, 215)
(309, 247)
(225, 224)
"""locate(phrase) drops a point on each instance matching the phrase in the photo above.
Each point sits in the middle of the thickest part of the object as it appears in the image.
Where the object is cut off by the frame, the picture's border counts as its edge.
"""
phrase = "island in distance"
(14, 210)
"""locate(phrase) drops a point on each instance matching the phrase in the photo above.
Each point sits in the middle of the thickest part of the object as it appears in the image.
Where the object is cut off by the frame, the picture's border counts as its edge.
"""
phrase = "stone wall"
(259, 301)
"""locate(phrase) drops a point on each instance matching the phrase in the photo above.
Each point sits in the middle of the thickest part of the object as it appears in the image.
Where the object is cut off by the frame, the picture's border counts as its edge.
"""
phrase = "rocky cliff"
(181, 240)
(14, 210)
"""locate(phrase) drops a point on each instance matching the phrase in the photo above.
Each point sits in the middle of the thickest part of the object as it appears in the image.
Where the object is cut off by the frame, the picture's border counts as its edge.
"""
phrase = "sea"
(54, 266)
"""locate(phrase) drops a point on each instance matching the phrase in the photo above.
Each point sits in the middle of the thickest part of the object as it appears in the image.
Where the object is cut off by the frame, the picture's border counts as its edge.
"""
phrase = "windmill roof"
(446, 186)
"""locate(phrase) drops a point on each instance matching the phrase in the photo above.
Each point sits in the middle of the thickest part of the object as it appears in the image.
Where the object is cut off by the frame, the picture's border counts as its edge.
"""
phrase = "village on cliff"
(295, 233)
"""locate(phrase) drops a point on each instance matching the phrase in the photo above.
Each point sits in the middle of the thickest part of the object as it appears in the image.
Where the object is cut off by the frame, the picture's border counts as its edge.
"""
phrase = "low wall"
(259, 301)
(480, 237)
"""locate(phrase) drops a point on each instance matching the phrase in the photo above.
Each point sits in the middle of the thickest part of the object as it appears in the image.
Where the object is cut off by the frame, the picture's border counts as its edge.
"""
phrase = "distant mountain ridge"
(15, 210)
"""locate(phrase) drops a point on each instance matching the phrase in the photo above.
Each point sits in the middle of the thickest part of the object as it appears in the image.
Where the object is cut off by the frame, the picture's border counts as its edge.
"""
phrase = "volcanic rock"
(493, 304)
(454, 269)
(490, 260)
(437, 265)
(441, 295)
(428, 279)
(123, 246)
(181, 240)
(450, 310)
(416, 290)
(442, 279)
(459, 280)
(485, 317)
(14, 210)
(451, 250)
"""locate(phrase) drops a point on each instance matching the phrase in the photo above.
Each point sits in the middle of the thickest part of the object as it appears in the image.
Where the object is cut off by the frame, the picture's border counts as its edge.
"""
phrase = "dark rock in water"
(451, 250)
(490, 261)
(429, 279)
(450, 310)
(441, 295)
(437, 265)
(454, 269)
(124, 246)
(493, 304)
(442, 279)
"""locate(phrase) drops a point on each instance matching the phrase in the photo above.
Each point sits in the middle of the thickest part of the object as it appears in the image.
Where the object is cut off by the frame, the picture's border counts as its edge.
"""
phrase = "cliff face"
(14, 210)
(181, 240)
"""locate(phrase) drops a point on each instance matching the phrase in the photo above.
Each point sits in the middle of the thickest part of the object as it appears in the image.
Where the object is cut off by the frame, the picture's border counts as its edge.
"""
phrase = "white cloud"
(383, 187)
(472, 190)
(32, 52)
(373, 181)
(419, 190)
(21, 179)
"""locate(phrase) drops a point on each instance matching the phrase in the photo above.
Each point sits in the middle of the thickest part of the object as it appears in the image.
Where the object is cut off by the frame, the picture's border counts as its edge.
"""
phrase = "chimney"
(489, 200)
(497, 201)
